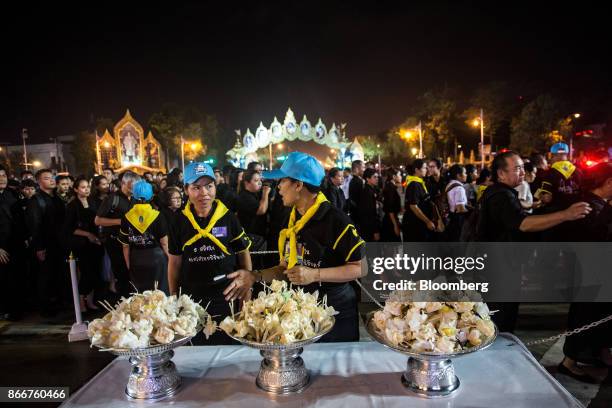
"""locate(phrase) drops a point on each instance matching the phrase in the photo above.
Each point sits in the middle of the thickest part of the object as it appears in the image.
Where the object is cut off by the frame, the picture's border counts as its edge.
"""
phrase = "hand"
(266, 189)
(376, 236)
(41, 255)
(577, 211)
(240, 287)
(301, 275)
(4, 256)
(93, 239)
(396, 230)
(545, 198)
(430, 225)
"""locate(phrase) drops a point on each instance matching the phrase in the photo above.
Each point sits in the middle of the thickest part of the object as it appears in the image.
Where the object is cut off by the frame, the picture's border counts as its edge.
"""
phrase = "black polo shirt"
(565, 191)
(501, 215)
(114, 208)
(129, 235)
(247, 206)
(204, 260)
(416, 195)
(328, 239)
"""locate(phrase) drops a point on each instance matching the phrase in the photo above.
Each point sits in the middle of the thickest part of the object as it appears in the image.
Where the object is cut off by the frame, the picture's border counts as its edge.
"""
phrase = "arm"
(303, 275)
(163, 242)
(126, 255)
(417, 211)
(107, 222)
(174, 270)
(263, 202)
(536, 223)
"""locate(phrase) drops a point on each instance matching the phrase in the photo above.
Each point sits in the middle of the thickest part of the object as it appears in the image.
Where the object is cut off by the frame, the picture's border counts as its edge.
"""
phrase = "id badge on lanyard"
(300, 252)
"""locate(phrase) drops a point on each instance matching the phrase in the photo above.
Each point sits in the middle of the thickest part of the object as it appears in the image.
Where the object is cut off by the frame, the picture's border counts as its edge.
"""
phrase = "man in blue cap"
(561, 183)
(319, 247)
(209, 250)
(144, 235)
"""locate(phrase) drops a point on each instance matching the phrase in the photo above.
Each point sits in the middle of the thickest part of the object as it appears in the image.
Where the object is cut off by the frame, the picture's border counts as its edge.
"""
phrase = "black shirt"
(44, 218)
(392, 202)
(327, 240)
(248, 204)
(435, 188)
(368, 215)
(227, 196)
(501, 215)
(416, 195)
(355, 189)
(565, 191)
(335, 195)
(595, 227)
(203, 260)
(79, 217)
(130, 235)
(114, 206)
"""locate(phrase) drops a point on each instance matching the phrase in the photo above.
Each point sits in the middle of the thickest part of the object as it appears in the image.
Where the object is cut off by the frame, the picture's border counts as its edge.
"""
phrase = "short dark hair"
(598, 175)
(417, 164)
(333, 171)
(484, 174)
(28, 183)
(147, 172)
(62, 177)
(248, 175)
(437, 161)
(537, 159)
(109, 169)
(41, 172)
(2, 168)
(499, 163)
(369, 172)
(355, 164)
(529, 167)
(24, 172)
(251, 165)
(78, 181)
(347, 169)
(455, 171)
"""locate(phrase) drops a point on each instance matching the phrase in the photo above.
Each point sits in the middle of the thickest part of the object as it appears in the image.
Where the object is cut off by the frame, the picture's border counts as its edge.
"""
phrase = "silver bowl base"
(153, 377)
(431, 378)
(282, 372)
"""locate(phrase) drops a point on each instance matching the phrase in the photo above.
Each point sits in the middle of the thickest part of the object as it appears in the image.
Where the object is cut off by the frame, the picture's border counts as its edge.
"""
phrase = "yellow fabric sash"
(141, 216)
(293, 228)
(565, 167)
(410, 179)
(479, 190)
(205, 233)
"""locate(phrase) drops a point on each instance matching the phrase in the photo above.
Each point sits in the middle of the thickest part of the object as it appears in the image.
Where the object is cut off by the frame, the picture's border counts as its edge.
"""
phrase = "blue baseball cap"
(299, 166)
(196, 170)
(559, 148)
(142, 190)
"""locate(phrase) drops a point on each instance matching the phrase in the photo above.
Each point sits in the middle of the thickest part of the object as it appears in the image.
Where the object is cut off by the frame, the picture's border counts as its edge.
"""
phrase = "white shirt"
(524, 194)
(455, 195)
(345, 186)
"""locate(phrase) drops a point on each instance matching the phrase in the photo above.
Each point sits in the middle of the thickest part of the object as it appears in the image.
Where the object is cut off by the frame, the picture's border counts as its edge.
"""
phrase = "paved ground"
(35, 352)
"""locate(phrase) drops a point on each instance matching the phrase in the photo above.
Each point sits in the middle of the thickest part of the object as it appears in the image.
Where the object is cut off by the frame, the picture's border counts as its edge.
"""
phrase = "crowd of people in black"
(130, 232)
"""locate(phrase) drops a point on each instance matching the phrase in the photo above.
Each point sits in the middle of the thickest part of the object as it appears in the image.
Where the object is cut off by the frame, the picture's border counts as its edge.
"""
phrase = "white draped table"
(354, 375)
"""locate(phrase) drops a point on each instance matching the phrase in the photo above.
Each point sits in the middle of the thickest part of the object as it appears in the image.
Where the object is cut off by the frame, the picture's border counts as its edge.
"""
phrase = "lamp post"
(476, 122)
(420, 140)
(182, 154)
(379, 165)
(571, 141)
(24, 136)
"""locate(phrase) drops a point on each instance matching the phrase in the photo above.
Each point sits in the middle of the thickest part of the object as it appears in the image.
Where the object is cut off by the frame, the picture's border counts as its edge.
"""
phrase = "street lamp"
(480, 122)
(571, 141)
(24, 136)
(414, 151)
(408, 135)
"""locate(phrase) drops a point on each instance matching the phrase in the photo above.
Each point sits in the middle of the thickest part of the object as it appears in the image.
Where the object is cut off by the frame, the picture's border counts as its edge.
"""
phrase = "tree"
(371, 147)
(540, 122)
(401, 139)
(495, 99)
(437, 110)
(84, 150)
(167, 126)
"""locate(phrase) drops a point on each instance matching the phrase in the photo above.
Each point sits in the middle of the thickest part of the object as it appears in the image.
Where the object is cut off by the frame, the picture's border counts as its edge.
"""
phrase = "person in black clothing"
(82, 237)
(392, 206)
(109, 215)
(368, 206)
(591, 346)
(561, 182)
(175, 178)
(8, 249)
(44, 218)
(332, 189)
(63, 188)
(417, 224)
(252, 208)
(502, 219)
(144, 236)
(355, 188)
(99, 189)
(171, 202)
(435, 181)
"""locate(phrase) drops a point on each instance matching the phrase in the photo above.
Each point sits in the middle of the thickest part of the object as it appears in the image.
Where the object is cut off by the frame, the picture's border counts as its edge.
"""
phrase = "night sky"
(361, 64)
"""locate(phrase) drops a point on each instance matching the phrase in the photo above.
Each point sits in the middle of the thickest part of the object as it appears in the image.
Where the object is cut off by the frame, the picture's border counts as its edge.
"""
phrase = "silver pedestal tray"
(153, 375)
(282, 370)
(428, 374)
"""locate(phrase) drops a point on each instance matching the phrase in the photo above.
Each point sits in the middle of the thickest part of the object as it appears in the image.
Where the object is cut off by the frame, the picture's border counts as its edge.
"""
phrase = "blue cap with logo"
(195, 170)
(299, 166)
(142, 190)
(559, 148)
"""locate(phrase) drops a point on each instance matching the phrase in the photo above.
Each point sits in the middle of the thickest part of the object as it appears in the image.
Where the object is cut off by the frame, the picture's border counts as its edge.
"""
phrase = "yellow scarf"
(293, 228)
(565, 167)
(410, 179)
(479, 190)
(141, 216)
(205, 233)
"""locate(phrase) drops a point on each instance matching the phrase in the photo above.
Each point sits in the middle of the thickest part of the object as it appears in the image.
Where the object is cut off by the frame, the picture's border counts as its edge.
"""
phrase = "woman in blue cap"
(319, 247)
(209, 251)
(144, 235)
